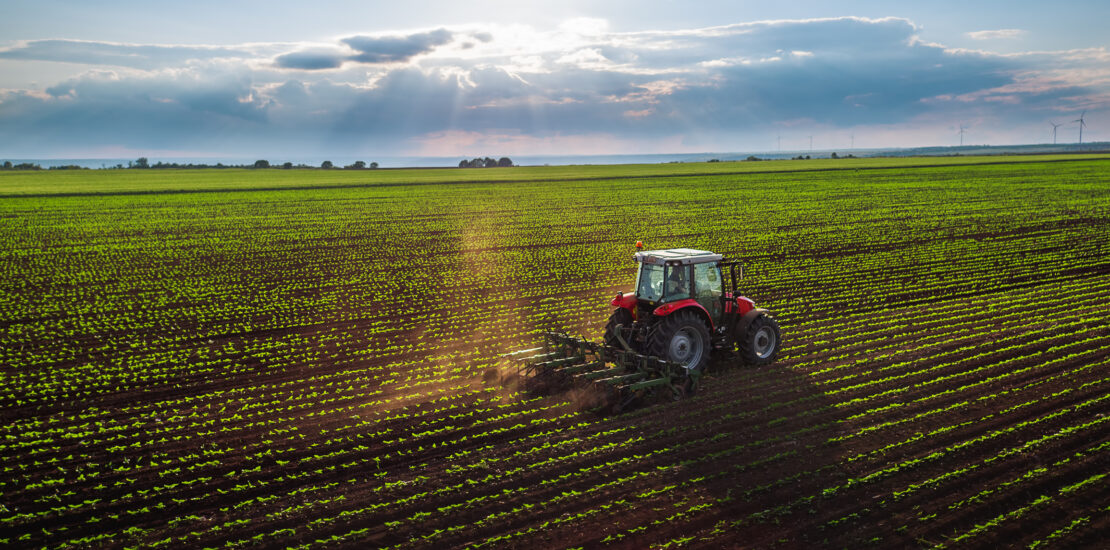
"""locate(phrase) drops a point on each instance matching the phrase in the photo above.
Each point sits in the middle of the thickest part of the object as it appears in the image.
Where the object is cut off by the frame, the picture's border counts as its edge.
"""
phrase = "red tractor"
(681, 311)
(661, 335)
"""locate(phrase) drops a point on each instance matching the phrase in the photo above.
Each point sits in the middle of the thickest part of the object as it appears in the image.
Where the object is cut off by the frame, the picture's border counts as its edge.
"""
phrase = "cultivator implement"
(607, 376)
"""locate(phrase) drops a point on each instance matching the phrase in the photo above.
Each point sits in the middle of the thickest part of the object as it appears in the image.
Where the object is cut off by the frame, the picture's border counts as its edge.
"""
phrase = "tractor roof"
(676, 256)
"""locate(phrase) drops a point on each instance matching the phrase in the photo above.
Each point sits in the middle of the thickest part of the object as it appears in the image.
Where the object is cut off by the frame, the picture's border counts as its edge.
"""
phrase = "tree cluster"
(361, 165)
(357, 165)
(486, 162)
(21, 166)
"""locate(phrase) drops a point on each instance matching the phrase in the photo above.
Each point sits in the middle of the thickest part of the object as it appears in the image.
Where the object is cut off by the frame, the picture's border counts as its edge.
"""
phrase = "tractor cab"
(674, 275)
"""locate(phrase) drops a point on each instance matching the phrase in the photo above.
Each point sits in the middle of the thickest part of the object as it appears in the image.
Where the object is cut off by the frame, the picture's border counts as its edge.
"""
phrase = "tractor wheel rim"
(685, 347)
(764, 343)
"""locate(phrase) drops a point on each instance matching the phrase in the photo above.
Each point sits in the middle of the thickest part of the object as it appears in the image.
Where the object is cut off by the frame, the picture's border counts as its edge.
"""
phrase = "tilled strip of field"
(312, 367)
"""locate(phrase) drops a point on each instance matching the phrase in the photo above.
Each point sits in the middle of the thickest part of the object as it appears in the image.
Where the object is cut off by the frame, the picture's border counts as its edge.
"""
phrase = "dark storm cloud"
(388, 49)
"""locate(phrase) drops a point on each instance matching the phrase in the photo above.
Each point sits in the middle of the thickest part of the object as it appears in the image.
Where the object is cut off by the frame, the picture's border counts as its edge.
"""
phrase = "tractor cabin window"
(707, 280)
(650, 285)
(678, 283)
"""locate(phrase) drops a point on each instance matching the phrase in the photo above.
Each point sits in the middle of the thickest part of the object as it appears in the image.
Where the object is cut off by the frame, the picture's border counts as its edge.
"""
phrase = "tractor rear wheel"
(761, 342)
(683, 338)
(620, 317)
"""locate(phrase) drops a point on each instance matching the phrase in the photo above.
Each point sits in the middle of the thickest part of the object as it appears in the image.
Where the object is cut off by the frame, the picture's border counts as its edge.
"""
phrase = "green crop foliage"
(299, 358)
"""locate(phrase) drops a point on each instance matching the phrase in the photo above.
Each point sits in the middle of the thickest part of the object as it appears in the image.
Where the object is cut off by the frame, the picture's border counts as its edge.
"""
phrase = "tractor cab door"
(707, 289)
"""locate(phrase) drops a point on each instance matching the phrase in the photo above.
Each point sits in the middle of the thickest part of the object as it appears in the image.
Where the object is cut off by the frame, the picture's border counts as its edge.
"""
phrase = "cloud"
(574, 88)
(311, 60)
(183, 110)
(125, 55)
(389, 49)
(838, 37)
(996, 34)
(589, 26)
(372, 50)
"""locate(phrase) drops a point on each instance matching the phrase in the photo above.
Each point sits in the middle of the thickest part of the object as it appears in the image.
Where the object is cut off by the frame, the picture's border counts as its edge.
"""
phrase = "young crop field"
(301, 359)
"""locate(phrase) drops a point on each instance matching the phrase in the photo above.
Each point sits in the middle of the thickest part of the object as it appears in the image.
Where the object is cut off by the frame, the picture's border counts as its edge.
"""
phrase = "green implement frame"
(620, 376)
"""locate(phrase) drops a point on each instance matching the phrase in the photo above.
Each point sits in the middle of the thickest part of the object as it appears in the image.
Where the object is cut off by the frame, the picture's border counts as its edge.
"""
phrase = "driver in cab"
(677, 284)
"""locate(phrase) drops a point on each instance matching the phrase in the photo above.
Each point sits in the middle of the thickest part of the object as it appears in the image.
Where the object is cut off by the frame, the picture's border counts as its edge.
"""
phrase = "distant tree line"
(486, 163)
(21, 166)
(832, 156)
(31, 166)
(143, 163)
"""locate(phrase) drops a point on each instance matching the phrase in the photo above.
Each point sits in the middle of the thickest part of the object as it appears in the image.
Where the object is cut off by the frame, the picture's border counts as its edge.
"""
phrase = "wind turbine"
(811, 143)
(780, 143)
(1081, 125)
(1054, 127)
(961, 132)
(853, 141)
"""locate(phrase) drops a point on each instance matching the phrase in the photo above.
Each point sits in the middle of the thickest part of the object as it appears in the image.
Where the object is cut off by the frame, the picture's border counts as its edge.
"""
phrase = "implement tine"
(519, 352)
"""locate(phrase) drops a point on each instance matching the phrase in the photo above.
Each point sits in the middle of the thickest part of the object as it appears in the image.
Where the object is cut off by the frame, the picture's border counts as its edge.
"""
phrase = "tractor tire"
(760, 344)
(621, 317)
(682, 337)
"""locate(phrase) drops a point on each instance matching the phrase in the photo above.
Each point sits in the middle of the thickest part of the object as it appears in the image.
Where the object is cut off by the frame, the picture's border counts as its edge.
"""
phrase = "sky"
(282, 79)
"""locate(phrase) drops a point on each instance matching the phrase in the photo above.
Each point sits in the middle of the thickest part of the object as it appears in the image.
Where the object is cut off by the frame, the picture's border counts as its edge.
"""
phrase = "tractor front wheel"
(683, 338)
(761, 342)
